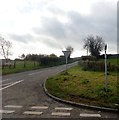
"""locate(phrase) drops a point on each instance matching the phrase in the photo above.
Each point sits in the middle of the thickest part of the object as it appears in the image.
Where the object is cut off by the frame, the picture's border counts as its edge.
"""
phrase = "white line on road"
(90, 115)
(13, 106)
(39, 107)
(12, 84)
(35, 73)
(6, 84)
(31, 74)
(7, 111)
(32, 113)
(63, 108)
(60, 114)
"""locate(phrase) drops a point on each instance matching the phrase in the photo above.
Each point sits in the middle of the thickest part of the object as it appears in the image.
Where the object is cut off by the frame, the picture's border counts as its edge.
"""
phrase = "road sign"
(66, 53)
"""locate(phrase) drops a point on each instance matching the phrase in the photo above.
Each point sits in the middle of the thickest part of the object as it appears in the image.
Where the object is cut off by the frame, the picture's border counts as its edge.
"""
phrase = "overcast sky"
(48, 26)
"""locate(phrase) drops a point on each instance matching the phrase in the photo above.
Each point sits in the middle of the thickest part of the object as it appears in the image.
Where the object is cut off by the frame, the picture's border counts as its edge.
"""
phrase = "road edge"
(77, 104)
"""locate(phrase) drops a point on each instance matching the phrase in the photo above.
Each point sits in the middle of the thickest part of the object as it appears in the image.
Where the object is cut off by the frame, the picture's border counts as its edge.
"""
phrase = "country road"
(23, 97)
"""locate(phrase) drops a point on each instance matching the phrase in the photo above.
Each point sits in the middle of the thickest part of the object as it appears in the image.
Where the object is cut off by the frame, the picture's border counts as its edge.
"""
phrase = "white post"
(106, 81)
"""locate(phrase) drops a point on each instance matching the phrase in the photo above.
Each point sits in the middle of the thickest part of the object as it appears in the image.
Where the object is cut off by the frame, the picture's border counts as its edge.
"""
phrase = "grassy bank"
(84, 87)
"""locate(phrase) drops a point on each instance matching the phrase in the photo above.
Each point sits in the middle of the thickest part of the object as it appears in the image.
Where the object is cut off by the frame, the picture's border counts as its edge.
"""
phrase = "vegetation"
(32, 62)
(84, 87)
(5, 47)
(19, 67)
(90, 63)
(94, 45)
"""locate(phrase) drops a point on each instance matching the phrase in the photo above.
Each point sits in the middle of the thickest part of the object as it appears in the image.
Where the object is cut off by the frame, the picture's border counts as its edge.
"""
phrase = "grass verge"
(86, 87)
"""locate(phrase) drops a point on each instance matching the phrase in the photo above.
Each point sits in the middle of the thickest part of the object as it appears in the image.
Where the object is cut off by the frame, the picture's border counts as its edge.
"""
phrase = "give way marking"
(12, 84)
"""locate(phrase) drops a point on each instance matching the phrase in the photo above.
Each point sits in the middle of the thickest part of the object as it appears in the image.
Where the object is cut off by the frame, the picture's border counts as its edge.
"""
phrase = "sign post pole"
(66, 62)
(66, 54)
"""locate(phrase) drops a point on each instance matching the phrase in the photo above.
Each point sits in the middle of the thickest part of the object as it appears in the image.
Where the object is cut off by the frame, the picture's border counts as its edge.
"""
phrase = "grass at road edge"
(86, 87)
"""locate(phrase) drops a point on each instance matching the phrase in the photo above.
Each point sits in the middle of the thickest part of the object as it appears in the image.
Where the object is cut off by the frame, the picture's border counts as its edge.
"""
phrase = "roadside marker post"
(106, 81)
(66, 54)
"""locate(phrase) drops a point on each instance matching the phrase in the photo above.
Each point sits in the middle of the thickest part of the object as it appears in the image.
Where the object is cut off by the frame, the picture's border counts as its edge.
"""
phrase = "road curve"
(23, 97)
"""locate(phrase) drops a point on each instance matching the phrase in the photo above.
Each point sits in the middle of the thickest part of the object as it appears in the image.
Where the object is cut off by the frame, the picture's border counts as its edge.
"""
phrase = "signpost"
(106, 81)
(66, 54)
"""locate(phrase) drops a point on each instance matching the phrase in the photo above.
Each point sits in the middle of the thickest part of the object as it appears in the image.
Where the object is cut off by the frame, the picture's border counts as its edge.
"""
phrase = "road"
(23, 97)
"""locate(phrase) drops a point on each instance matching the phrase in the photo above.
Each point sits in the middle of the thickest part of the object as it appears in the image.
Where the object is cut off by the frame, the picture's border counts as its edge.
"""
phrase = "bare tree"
(94, 45)
(5, 49)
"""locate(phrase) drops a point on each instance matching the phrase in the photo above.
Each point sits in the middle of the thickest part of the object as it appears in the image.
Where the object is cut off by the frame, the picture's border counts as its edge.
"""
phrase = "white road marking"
(60, 114)
(39, 107)
(32, 113)
(6, 84)
(31, 74)
(63, 108)
(12, 84)
(90, 115)
(13, 106)
(35, 73)
(7, 111)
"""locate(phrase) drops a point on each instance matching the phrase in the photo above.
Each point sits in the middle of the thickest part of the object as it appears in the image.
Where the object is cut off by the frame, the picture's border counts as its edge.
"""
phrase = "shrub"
(89, 58)
(98, 66)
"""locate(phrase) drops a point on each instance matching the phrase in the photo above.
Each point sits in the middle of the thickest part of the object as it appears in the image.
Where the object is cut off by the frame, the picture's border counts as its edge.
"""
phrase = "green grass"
(84, 87)
(112, 61)
(29, 65)
(20, 67)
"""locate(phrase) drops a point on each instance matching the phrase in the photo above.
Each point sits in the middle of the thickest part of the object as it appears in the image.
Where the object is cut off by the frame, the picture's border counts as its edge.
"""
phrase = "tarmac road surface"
(23, 97)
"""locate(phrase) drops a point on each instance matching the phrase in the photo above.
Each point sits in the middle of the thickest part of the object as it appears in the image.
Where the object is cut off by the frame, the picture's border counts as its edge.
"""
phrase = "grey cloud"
(51, 43)
(102, 21)
(22, 38)
(106, 16)
(51, 27)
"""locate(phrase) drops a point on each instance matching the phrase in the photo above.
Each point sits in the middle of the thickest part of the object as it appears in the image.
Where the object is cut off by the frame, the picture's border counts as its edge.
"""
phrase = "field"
(29, 65)
(22, 66)
(85, 87)
(113, 61)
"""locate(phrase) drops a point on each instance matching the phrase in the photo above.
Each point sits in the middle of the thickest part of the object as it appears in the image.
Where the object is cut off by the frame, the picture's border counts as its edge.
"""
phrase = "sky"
(49, 26)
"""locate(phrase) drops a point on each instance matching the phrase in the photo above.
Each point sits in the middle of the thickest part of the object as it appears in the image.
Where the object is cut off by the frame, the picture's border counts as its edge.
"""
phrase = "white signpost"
(66, 54)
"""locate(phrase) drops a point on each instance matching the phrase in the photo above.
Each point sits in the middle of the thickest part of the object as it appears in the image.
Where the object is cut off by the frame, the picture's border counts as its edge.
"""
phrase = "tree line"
(93, 45)
(44, 60)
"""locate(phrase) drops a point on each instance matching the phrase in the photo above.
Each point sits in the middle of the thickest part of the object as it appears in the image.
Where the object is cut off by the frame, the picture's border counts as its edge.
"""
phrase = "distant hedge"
(90, 58)
(98, 66)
